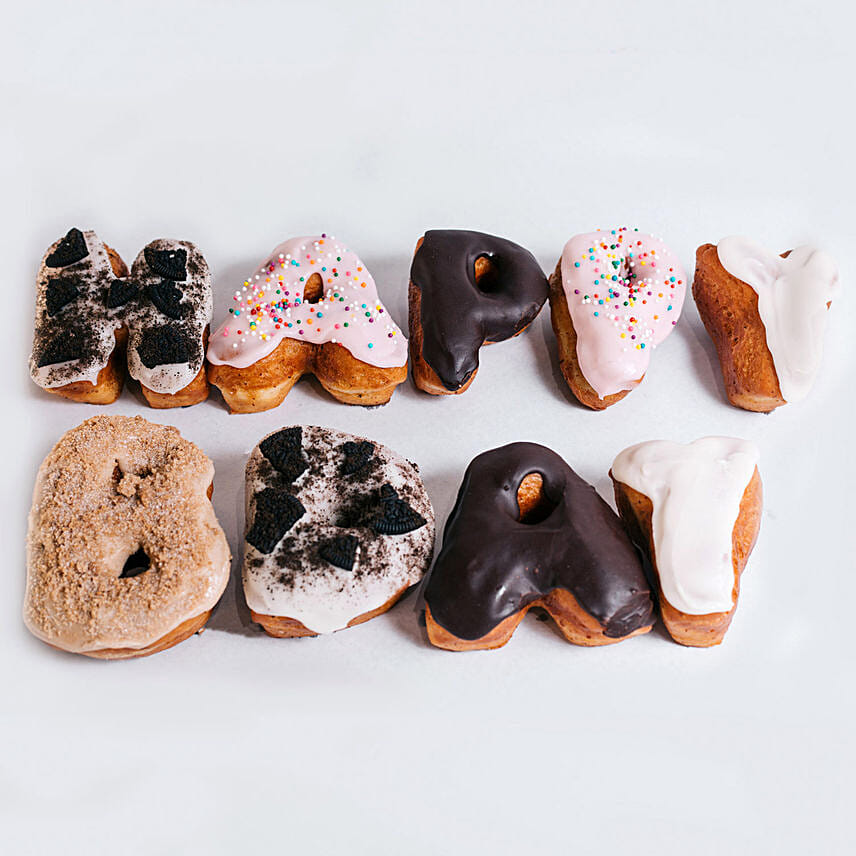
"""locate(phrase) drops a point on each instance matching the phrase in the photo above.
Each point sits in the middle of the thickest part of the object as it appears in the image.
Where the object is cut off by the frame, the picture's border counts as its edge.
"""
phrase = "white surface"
(237, 129)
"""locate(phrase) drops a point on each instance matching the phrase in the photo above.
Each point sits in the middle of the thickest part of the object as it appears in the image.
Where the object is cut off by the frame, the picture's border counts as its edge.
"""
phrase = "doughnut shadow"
(703, 358)
(232, 614)
(548, 366)
(442, 489)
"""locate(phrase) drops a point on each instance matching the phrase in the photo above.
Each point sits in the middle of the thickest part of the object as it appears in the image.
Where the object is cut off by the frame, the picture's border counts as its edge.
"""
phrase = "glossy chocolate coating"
(492, 565)
(458, 315)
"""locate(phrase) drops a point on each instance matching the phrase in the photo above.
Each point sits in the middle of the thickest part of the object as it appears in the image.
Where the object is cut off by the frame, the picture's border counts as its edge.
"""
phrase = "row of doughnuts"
(125, 556)
(313, 307)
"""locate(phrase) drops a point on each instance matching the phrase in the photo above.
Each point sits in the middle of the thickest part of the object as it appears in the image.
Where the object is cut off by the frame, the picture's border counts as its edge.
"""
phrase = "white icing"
(320, 595)
(793, 293)
(695, 490)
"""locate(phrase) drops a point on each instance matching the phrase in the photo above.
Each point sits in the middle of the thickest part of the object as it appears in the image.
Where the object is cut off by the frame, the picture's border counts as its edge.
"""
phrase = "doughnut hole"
(487, 275)
(533, 504)
(137, 563)
(313, 291)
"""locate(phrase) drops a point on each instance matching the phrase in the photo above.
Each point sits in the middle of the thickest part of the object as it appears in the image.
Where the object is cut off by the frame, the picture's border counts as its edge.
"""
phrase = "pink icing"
(269, 306)
(625, 291)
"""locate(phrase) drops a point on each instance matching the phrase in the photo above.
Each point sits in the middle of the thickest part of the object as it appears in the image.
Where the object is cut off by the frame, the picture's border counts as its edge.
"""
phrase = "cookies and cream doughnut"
(467, 289)
(168, 323)
(124, 554)
(527, 531)
(695, 510)
(338, 528)
(614, 296)
(766, 315)
(88, 308)
(311, 307)
(79, 334)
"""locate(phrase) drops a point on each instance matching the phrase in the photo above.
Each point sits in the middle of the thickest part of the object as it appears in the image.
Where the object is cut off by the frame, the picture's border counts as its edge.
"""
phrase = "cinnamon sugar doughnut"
(124, 554)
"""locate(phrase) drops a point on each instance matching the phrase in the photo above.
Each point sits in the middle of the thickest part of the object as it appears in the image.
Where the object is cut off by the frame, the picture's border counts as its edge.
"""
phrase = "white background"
(236, 126)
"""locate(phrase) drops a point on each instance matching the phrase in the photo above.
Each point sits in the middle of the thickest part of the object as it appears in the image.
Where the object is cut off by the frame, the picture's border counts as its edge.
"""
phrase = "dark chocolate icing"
(457, 315)
(492, 565)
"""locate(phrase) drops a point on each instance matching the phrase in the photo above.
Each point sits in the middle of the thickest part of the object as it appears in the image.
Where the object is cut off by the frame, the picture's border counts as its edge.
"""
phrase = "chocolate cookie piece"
(71, 249)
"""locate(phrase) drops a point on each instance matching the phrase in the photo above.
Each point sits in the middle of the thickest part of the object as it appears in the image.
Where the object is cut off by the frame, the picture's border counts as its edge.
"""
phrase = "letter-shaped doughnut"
(467, 289)
(527, 531)
(766, 315)
(88, 307)
(338, 528)
(615, 295)
(695, 510)
(78, 328)
(168, 323)
(124, 554)
(311, 307)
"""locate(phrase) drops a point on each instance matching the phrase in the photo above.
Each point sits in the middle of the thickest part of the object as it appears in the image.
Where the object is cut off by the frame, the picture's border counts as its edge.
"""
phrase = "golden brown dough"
(729, 310)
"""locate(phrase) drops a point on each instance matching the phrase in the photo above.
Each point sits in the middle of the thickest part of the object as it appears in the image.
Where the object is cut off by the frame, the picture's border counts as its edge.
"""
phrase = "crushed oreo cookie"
(341, 551)
(161, 346)
(72, 248)
(166, 296)
(285, 451)
(395, 517)
(120, 292)
(59, 293)
(170, 264)
(357, 456)
(69, 344)
(276, 512)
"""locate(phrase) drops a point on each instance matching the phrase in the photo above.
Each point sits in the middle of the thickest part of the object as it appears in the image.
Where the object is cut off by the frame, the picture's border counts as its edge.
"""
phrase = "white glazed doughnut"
(338, 528)
(793, 296)
(695, 510)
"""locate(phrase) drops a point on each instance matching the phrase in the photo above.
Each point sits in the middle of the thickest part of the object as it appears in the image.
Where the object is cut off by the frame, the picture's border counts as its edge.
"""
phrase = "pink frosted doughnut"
(623, 291)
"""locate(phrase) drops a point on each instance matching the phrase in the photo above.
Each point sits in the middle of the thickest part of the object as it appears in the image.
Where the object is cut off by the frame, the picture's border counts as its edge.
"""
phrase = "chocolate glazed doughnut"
(467, 289)
(527, 531)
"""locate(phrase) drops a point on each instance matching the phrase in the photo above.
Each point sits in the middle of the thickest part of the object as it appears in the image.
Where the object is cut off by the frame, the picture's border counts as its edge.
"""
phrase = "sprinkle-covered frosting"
(793, 294)
(695, 491)
(269, 306)
(336, 526)
(625, 291)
